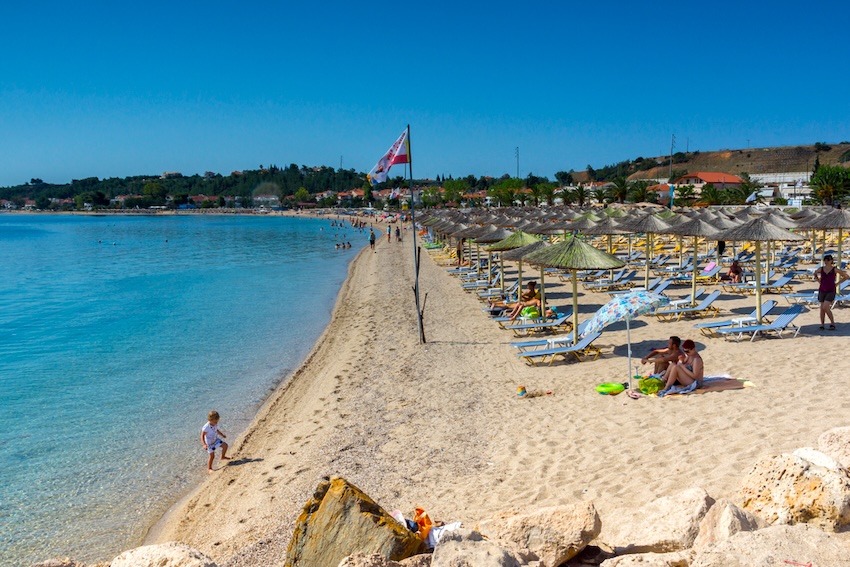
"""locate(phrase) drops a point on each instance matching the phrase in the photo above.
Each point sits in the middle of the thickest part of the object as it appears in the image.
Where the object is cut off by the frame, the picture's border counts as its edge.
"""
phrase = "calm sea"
(117, 336)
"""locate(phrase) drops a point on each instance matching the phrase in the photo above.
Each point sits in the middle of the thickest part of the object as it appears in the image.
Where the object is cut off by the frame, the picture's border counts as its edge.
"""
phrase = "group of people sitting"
(528, 298)
(677, 363)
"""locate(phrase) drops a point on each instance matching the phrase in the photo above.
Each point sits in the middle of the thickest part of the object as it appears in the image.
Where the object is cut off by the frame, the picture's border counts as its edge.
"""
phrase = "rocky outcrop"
(804, 487)
(553, 535)
(674, 559)
(373, 560)
(724, 520)
(172, 554)
(836, 444)
(466, 548)
(59, 562)
(341, 520)
(667, 524)
(776, 546)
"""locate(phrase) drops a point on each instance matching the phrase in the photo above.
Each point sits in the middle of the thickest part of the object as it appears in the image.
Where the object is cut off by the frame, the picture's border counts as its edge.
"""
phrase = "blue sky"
(111, 89)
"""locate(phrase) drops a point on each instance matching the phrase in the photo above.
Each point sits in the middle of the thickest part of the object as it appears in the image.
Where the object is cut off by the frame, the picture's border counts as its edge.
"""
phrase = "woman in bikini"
(685, 371)
(827, 286)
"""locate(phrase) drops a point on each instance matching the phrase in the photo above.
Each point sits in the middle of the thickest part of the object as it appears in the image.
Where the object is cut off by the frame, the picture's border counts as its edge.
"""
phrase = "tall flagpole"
(415, 248)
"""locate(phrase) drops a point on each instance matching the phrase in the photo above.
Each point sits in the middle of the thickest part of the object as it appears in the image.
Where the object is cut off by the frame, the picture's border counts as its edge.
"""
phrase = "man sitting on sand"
(687, 370)
(662, 357)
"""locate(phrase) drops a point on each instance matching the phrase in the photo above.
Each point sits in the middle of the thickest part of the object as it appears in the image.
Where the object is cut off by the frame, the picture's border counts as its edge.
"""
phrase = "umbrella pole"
(519, 279)
(629, 341)
(681, 251)
(502, 269)
(823, 243)
(694, 278)
(758, 282)
(542, 294)
(648, 258)
(611, 271)
(575, 308)
(478, 259)
(840, 237)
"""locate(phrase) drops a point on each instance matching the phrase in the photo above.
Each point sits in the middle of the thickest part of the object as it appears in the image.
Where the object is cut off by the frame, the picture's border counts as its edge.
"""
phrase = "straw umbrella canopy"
(834, 219)
(574, 254)
(490, 238)
(758, 230)
(517, 255)
(696, 228)
(649, 225)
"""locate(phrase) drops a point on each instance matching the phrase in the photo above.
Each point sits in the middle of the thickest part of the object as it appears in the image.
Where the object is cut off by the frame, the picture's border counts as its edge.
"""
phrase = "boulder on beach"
(554, 535)
(836, 444)
(779, 545)
(59, 562)
(372, 560)
(670, 523)
(340, 520)
(171, 554)
(724, 520)
(804, 487)
(466, 548)
(672, 559)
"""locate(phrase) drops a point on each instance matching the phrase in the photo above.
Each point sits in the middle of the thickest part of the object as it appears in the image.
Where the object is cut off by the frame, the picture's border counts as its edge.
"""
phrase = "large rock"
(59, 562)
(466, 548)
(363, 560)
(553, 535)
(674, 559)
(171, 554)
(341, 520)
(724, 520)
(670, 523)
(804, 487)
(836, 444)
(775, 546)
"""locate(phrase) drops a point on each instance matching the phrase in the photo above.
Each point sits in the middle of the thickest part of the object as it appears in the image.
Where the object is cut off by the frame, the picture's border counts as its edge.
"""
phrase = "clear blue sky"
(114, 89)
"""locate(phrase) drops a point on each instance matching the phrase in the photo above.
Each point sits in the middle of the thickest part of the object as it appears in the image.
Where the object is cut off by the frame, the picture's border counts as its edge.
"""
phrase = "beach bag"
(423, 520)
(530, 312)
(650, 385)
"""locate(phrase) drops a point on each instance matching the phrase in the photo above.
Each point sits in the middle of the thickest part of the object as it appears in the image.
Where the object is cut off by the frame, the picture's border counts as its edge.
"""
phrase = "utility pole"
(517, 162)
(672, 145)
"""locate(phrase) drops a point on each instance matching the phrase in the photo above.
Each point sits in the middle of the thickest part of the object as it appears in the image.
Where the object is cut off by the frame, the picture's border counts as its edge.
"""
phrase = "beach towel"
(715, 383)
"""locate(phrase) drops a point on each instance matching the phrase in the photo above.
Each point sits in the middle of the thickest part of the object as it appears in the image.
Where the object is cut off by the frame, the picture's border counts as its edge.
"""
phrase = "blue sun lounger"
(562, 322)
(704, 308)
(778, 327)
(582, 349)
(709, 329)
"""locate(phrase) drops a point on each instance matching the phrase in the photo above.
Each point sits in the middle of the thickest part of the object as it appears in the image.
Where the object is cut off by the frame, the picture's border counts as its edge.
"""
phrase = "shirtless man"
(685, 371)
(662, 357)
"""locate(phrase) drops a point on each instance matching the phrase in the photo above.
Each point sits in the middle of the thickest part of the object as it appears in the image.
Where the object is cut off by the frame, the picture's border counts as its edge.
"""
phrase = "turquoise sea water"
(117, 336)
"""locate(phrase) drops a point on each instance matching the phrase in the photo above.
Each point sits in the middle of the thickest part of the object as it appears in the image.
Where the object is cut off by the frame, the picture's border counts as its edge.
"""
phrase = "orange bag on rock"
(423, 520)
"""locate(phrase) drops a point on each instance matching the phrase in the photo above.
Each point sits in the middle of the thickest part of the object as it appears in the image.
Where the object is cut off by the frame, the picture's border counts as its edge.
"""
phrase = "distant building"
(170, 175)
(700, 178)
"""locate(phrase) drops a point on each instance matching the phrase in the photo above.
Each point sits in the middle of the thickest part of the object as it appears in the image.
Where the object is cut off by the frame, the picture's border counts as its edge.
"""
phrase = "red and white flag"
(399, 152)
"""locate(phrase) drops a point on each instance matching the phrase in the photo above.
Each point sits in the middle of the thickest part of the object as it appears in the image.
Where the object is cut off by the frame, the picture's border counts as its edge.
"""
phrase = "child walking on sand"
(210, 439)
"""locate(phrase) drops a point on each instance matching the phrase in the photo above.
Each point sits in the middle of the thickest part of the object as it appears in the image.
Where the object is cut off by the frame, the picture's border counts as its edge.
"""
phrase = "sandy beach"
(440, 425)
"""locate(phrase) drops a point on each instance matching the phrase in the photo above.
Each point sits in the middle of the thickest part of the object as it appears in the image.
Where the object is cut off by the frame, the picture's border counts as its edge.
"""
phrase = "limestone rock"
(421, 560)
(171, 554)
(466, 548)
(373, 560)
(553, 535)
(59, 562)
(670, 523)
(724, 520)
(804, 487)
(341, 520)
(836, 444)
(774, 546)
(674, 559)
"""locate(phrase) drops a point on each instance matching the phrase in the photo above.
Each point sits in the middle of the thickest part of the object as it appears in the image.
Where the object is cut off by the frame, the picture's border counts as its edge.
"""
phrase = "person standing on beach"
(211, 439)
(371, 239)
(389, 233)
(827, 286)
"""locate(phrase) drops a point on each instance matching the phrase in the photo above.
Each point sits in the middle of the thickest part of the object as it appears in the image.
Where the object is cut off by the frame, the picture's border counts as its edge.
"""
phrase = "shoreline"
(440, 426)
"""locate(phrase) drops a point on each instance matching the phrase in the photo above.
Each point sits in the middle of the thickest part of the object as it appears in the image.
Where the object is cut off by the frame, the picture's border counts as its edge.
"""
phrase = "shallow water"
(117, 336)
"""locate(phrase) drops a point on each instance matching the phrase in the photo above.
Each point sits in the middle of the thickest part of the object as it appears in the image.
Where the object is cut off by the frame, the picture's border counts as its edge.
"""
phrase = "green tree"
(685, 195)
(600, 194)
(156, 191)
(831, 183)
(454, 189)
(639, 192)
(711, 195)
(564, 178)
(620, 189)
(302, 195)
(547, 192)
(579, 195)
(42, 203)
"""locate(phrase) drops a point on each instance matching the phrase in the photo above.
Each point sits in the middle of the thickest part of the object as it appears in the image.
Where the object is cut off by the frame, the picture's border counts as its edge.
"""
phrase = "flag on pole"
(752, 197)
(399, 152)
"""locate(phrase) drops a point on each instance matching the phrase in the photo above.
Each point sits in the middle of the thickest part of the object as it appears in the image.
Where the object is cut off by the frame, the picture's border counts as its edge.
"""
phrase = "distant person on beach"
(389, 233)
(371, 239)
(663, 357)
(735, 272)
(686, 370)
(211, 439)
(828, 276)
(397, 234)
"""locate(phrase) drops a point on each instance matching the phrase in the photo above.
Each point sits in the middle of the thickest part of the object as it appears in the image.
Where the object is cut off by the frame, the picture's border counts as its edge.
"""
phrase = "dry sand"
(440, 425)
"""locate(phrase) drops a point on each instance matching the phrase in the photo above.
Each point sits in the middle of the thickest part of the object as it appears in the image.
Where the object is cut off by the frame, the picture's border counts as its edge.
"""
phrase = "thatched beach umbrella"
(834, 219)
(758, 230)
(696, 228)
(649, 225)
(490, 238)
(574, 254)
(512, 242)
(517, 255)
